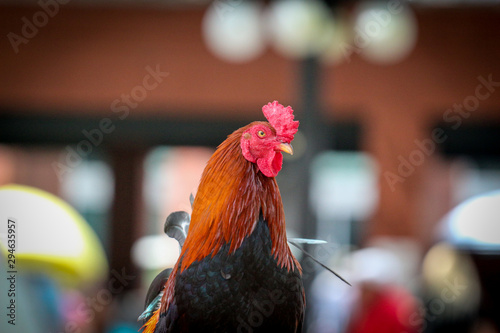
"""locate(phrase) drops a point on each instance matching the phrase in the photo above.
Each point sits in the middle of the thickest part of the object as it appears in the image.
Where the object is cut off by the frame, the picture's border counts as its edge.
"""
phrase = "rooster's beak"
(286, 147)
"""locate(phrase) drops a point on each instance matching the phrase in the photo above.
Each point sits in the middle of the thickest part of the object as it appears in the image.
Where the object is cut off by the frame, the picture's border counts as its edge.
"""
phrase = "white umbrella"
(39, 232)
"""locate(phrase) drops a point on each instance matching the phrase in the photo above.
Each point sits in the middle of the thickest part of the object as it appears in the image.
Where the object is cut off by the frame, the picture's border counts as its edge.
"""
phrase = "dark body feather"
(246, 291)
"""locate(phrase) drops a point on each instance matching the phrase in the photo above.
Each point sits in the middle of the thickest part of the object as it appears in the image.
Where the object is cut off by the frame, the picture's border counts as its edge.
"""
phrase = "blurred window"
(89, 188)
(344, 194)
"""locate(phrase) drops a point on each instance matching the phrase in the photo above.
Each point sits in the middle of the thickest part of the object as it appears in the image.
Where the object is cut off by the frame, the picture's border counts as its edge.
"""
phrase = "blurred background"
(115, 106)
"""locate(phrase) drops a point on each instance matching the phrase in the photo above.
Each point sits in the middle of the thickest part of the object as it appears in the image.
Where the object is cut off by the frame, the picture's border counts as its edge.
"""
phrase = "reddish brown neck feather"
(231, 195)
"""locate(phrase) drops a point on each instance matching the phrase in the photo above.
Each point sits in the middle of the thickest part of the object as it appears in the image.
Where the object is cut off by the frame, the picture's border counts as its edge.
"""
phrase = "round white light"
(297, 28)
(383, 32)
(233, 31)
(337, 39)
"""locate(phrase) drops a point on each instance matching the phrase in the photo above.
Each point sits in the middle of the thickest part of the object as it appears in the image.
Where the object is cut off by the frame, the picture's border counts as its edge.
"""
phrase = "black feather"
(245, 291)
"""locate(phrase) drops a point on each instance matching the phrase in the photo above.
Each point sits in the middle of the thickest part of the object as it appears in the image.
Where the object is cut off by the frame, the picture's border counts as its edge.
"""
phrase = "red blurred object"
(385, 309)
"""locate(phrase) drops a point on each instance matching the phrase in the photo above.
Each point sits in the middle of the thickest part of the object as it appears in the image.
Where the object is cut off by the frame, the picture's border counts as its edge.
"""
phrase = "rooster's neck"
(231, 195)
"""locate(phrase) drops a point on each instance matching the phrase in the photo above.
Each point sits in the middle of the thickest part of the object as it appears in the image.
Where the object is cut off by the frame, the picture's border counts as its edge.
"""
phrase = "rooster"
(236, 272)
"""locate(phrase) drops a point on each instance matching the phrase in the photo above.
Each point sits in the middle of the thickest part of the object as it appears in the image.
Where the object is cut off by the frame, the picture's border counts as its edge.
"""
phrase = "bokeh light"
(385, 34)
(234, 33)
(296, 28)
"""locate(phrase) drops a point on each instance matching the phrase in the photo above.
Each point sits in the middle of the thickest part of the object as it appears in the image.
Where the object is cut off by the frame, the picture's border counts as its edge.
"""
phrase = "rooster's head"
(263, 142)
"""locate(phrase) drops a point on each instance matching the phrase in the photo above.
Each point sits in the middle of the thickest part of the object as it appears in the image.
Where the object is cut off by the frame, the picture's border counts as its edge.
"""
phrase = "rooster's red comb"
(281, 119)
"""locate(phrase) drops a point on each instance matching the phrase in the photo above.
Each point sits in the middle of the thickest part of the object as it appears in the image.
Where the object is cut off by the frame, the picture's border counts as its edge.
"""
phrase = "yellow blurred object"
(50, 237)
(451, 279)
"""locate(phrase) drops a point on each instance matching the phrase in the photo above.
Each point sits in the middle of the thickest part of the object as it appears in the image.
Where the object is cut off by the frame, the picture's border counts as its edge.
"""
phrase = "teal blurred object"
(123, 328)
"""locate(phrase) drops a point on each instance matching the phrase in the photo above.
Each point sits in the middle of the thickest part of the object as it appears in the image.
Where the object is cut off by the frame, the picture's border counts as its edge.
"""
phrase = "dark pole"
(126, 211)
(318, 136)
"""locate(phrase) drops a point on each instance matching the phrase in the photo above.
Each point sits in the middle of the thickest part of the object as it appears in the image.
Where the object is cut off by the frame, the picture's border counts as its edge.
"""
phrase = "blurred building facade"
(110, 83)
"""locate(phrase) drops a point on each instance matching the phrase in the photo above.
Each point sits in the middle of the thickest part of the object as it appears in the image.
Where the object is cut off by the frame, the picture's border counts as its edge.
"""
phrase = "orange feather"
(150, 325)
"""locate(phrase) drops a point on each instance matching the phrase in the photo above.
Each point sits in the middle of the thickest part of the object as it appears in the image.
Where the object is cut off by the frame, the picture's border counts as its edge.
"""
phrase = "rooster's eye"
(261, 134)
